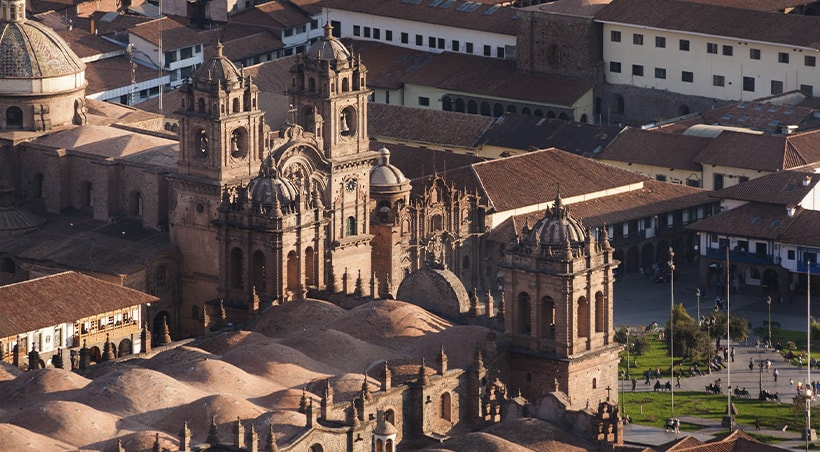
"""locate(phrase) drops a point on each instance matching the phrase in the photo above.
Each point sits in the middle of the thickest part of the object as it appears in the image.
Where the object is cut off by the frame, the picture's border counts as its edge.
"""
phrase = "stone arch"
(583, 317)
(447, 103)
(647, 256)
(523, 323)
(14, 118)
(96, 354)
(511, 109)
(563, 116)
(584, 118)
(437, 290)
(125, 348)
(551, 114)
(472, 107)
(235, 107)
(446, 407)
(349, 122)
(316, 448)
(259, 271)
(526, 111)
(538, 113)
(460, 105)
(547, 317)
(436, 223)
(236, 268)
(310, 270)
(239, 142)
(293, 271)
(600, 311)
(498, 110)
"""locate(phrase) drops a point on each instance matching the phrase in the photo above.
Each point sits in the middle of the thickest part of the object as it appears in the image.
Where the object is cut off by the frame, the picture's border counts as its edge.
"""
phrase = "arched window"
(345, 85)
(447, 103)
(498, 110)
(236, 108)
(136, 204)
(14, 118)
(538, 113)
(239, 143)
(311, 84)
(259, 272)
(472, 107)
(436, 223)
(583, 317)
(201, 105)
(511, 109)
(446, 407)
(551, 114)
(600, 310)
(351, 226)
(160, 275)
(522, 311)
(293, 271)
(316, 448)
(526, 111)
(548, 318)
(553, 55)
(310, 267)
(460, 105)
(584, 118)
(563, 116)
(485, 109)
(236, 268)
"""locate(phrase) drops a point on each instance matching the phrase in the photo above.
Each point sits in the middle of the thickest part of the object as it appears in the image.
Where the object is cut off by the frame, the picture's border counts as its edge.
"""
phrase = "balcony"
(96, 336)
(740, 257)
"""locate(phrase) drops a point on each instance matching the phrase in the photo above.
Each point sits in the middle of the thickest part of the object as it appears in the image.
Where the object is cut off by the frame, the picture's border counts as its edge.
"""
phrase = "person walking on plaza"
(775, 373)
(634, 383)
(757, 423)
(678, 384)
(733, 354)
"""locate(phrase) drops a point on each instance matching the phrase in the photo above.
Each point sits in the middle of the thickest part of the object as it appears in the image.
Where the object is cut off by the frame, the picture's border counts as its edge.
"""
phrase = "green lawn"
(798, 338)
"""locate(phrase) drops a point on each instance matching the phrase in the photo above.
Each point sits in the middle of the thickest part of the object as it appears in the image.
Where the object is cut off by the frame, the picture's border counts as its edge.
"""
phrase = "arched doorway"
(310, 271)
(600, 310)
(647, 256)
(446, 407)
(125, 348)
(293, 271)
(96, 355)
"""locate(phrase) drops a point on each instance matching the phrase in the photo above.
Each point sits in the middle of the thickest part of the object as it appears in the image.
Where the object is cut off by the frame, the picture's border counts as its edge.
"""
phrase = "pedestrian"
(733, 354)
(751, 364)
(678, 384)
(757, 423)
(677, 425)
(775, 373)
(634, 384)
(757, 344)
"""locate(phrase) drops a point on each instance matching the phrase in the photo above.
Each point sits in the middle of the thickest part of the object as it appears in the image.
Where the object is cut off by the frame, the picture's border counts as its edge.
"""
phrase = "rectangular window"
(469, 47)
(754, 54)
(337, 28)
(198, 48)
(660, 177)
(728, 50)
(614, 66)
(637, 69)
(748, 83)
(615, 36)
(314, 24)
(366, 32)
(660, 42)
(718, 80)
(782, 57)
(170, 57)
(687, 77)
(388, 35)
(660, 72)
(186, 53)
(289, 31)
(405, 38)
(499, 52)
(455, 45)
(777, 87)
(357, 30)
(790, 255)
(810, 61)
(807, 90)
(387, 97)
(488, 51)
(637, 39)
(431, 42)
(419, 40)
(377, 33)
(718, 181)
(424, 101)
(683, 45)
(441, 43)
(711, 47)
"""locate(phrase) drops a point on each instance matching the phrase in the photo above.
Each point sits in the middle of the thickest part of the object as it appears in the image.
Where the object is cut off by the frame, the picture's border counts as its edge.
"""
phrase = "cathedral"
(234, 216)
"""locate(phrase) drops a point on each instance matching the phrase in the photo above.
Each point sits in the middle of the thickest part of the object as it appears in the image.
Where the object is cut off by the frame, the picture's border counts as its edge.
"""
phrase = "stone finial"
(490, 305)
(358, 292)
(303, 402)
(108, 352)
(145, 339)
(213, 433)
(270, 443)
(387, 381)
(164, 336)
(34, 359)
(156, 447)
(387, 287)
(309, 415)
(85, 356)
(366, 390)
(252, 440)
(184, 438)
(238, 433)
(442, 361)
(120, 448)
(57, 359)
(374, 286)
(423, 379)
(473, 303)
(352, 415)
(479, 360)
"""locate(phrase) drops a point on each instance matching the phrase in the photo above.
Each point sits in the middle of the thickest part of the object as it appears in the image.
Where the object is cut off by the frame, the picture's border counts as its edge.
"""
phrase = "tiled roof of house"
(64, 297)
(387, 65)
(803, 229)
(650, 147)
(736, 23)
(526, 132)
(243, 42)
(535, 177)
(417, 162)
(782, 188)
(737, 440)
(761, 152)
(309, 6)
(496, 78)
(579, 8)
(484, 17)
(759, 5)
(110, 73)
(754, 220)
(79, 39)
(275, 14)
(768, 117)
(175, 35)
(423, 125)
(106, 23)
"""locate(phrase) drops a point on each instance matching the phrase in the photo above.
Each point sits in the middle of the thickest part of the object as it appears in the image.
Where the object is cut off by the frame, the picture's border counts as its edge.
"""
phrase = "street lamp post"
(672, 323)
(769, 339)
(697, 294)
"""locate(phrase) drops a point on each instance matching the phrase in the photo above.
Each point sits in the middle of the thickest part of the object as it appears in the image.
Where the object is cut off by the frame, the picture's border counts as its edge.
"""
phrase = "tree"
(639, 342)
(738, 327)
(687, 337)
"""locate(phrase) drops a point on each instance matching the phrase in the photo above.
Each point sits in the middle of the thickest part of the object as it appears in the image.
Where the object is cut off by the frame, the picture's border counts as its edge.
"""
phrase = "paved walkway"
(639, 302)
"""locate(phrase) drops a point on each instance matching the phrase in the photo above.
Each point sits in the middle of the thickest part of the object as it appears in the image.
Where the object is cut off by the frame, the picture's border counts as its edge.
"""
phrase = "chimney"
(790, 210)
(790, 129)
(92, 26)
(806, 181)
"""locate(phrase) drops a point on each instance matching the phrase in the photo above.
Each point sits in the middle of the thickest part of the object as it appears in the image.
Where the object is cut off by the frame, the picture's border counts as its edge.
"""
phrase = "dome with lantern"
(385, 177)
(328, 48)
(270, 188)
(217, 69)
(557, 227)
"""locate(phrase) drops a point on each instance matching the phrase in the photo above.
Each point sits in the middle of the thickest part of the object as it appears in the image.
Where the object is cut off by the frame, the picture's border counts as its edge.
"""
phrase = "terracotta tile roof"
(579, 8)
(679, 444)
(737, 440)
(759, 5)
(485, 18)
(110, 23)
(422, 125)
(175, 35)
(309, 6)
(527, 132)
(803, 229)
(387, 65)
(761, 152)
(754, 220)
(78, 38)
(110, 73)
(496, 78)
(768, 117)
(417, 162)
(746, 24)
(116, 144)
(75, 240)
(532, 178)
(276, 14)
(782, 188)
(650, 147)
(60, 298)
(254, 42)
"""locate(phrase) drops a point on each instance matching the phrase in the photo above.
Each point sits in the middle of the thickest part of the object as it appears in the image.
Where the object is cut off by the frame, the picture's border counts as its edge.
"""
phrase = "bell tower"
(329, 95)
(558, 314)
(222, 142)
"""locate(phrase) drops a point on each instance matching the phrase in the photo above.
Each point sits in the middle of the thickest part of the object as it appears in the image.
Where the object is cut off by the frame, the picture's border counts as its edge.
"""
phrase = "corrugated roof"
(60, 298)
